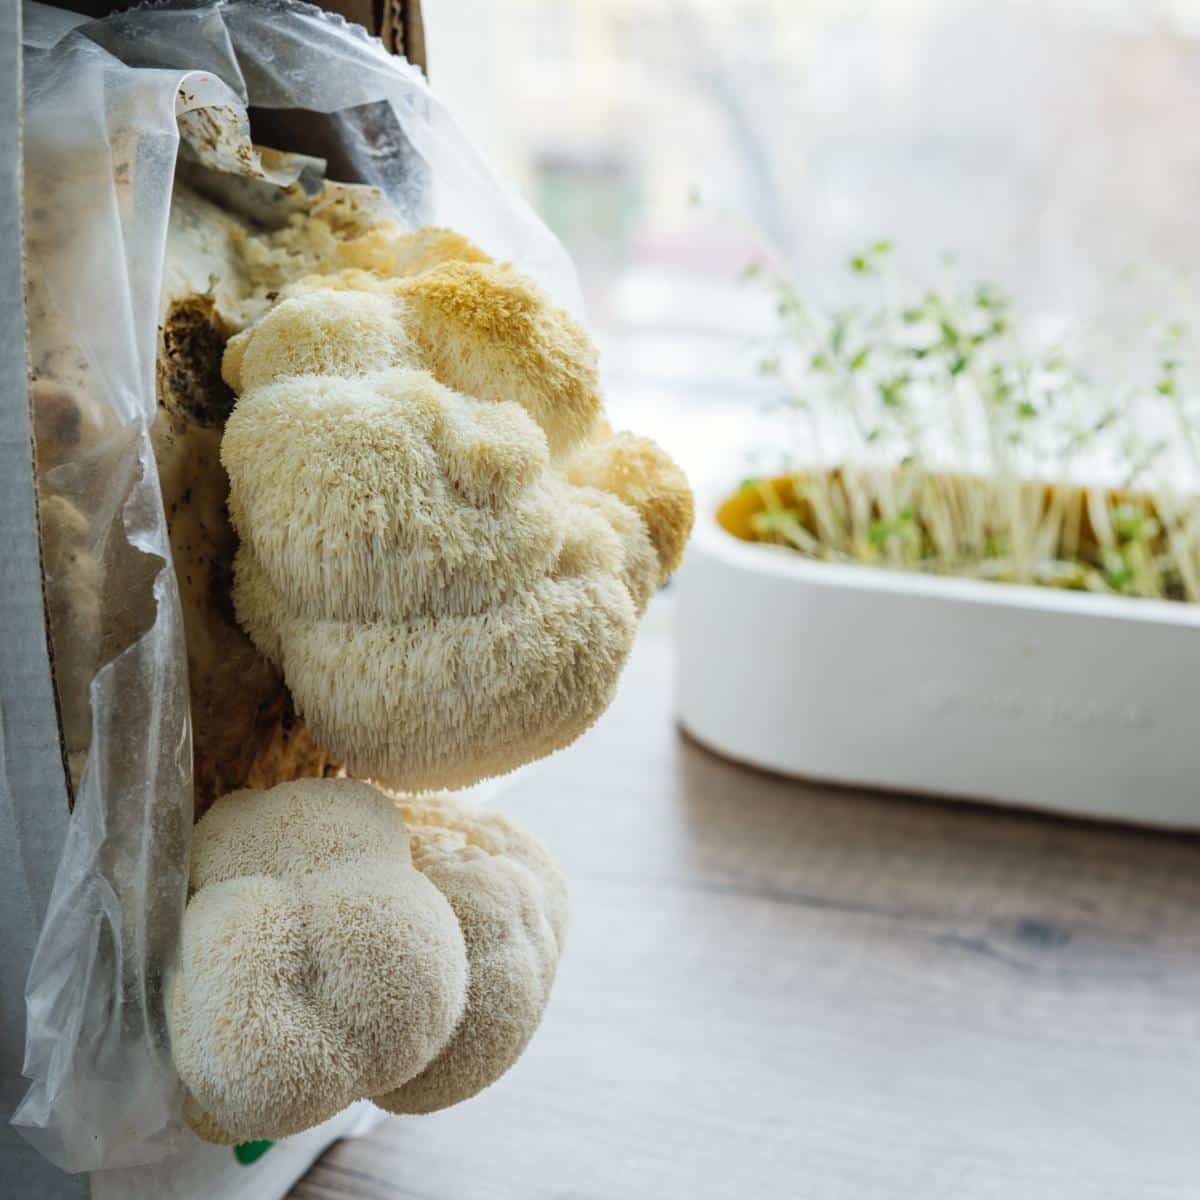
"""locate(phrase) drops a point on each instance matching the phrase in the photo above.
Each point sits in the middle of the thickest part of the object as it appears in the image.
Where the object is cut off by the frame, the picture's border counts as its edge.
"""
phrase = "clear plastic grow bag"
(110, 107)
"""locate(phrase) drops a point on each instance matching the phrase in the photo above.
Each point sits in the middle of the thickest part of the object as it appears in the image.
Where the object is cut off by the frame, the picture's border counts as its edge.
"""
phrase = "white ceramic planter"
(1063, 701)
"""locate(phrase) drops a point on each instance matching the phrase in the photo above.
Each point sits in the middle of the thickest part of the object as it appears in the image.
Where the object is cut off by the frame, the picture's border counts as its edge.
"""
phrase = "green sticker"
(250, 1152)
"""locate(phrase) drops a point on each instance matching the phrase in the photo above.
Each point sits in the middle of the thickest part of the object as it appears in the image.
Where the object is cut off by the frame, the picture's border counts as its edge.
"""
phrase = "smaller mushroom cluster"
(342, 944)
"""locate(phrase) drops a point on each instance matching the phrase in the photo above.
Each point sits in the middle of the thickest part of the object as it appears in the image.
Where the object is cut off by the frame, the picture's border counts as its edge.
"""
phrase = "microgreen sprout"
(935, 432)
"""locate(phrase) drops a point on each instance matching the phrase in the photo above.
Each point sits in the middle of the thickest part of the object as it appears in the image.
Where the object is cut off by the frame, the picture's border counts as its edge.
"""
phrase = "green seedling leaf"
(1119, 580)
(954, 371)
(837, 338)
(879, 532)
(950, 335)
(778, 520)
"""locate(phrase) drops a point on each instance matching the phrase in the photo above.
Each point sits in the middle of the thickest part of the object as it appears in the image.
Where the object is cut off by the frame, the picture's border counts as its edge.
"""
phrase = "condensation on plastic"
(104, 106)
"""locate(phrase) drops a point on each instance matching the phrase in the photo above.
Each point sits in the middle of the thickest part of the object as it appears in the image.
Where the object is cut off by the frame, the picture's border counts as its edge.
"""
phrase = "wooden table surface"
(775, 990)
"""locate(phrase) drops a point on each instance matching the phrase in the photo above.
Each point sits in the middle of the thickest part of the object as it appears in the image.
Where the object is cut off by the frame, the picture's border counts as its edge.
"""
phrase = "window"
(1049, 147)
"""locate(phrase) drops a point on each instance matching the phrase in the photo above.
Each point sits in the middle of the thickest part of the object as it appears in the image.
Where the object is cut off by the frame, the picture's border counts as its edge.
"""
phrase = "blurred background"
(1048, 146)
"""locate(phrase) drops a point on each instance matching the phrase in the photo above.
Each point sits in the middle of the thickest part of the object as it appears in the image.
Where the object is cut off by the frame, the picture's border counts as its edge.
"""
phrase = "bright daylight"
(602, 599)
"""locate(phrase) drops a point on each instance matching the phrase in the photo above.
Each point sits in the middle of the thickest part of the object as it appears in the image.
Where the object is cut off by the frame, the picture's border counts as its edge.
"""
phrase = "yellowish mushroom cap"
(488, 332)
(389, 251)
(639, 472)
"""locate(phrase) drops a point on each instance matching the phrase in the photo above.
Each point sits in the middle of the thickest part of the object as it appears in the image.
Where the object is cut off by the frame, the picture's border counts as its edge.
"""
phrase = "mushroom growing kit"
(327, 512)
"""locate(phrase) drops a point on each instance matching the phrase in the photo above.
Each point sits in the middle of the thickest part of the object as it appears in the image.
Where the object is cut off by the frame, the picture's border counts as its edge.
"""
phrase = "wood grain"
(775, 990)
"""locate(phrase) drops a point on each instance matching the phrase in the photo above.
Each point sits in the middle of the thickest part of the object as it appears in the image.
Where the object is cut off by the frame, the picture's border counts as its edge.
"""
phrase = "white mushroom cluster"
(444, 548)
(340, 945)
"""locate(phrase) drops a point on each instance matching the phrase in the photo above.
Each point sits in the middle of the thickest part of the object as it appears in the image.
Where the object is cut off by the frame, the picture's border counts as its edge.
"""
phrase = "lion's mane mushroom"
(511, 902)
(330, 952)
(443, 546)
(317, 965)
